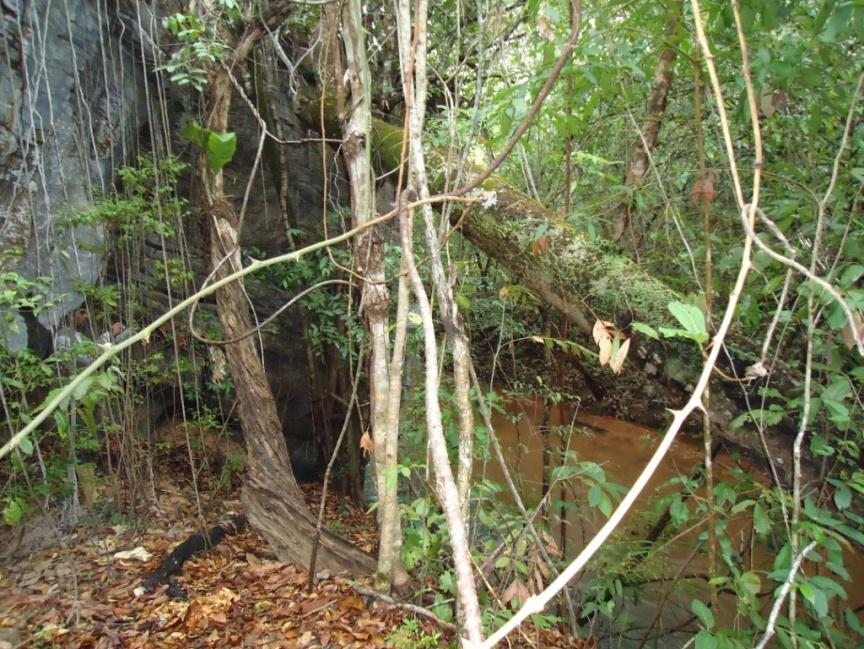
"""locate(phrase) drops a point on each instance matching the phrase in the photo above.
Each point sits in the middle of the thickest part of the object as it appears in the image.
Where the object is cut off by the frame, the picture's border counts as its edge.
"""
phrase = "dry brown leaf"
(352, 603)
(367, 444)
(600, 331)
(538, 580)
(703, 191)
(605, 350)
(540, 246)
(315, 605)
(850, 336)
(517, 590)
(617, 361)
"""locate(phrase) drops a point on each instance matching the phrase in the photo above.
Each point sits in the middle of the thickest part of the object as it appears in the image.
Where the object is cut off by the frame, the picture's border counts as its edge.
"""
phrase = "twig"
(418, 610)
(784, 591)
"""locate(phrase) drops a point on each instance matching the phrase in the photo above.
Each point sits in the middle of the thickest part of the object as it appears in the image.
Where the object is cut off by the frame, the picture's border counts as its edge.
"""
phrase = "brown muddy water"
(622, 450)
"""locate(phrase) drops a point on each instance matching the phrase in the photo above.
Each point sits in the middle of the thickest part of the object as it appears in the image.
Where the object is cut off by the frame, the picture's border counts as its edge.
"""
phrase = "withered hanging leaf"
(516, 590)
(367, 444)
(617, 360)
(605, 350)
(601, 330)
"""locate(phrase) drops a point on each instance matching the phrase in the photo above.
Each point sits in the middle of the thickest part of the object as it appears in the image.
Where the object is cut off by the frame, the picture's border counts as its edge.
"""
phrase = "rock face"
(71, 105)
(80, 96)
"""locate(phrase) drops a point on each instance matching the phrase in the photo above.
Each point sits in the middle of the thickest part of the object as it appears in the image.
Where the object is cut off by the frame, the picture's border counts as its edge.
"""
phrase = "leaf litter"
(85, 591)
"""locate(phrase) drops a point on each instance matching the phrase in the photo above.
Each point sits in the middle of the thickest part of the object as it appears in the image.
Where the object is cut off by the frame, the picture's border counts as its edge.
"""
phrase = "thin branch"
(784, 591)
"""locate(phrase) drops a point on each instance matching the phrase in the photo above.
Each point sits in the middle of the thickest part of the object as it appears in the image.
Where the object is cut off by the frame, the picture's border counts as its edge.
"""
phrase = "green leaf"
(220, 149)
(196, 134)
(704, 640)
(843, 497)
(82, 388)
(595, 495)
(761, 521)
(13, 512)
(643, 328)
(816, 597)
(679, 511)
(750, 582)
(703, 613)
(691, 318)
(820, 447)
(26, 446)
(606, 506)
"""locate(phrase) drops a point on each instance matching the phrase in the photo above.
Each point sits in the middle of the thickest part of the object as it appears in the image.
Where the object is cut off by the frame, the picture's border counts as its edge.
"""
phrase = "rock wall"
(72, 101)
(80, 95)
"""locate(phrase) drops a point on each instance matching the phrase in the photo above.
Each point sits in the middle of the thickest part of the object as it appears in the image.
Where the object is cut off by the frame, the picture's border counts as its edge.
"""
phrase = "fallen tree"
(587, 279)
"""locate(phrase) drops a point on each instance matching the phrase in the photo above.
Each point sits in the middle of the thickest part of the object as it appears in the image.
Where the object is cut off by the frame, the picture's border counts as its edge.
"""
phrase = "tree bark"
(273, 502)
(655, 110)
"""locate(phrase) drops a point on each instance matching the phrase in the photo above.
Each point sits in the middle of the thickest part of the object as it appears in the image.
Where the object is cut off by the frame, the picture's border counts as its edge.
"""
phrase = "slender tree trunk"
(415, 94)
(454, 499)
(385, 387)
(654, 114)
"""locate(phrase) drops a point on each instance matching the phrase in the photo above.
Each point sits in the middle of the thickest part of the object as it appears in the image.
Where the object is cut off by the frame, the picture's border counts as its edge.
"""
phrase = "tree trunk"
(273, 502)
(655, 110)
(386, 381)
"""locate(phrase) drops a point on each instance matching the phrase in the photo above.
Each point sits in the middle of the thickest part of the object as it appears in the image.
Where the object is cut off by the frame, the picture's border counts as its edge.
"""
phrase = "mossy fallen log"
(587, 279)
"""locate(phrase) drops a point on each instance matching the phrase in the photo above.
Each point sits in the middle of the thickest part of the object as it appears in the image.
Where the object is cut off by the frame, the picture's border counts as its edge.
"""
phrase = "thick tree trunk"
(271, 498)
(273, 502)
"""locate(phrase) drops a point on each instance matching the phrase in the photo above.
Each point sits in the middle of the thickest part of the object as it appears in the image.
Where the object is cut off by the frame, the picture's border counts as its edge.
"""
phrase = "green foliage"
(410, 634)
(690, 317)
(200, 47)
(218, 148)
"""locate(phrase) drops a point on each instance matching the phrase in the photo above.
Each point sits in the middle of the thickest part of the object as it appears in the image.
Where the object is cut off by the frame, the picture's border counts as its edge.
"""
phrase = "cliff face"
(71, 104)
(80, 96)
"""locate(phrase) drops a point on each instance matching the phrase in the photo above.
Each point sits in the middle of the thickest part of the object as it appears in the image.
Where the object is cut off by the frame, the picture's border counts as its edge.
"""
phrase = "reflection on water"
(622, 450)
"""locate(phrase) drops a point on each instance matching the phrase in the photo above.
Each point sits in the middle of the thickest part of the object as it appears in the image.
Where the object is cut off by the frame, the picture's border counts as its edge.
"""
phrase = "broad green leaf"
(820, 447)
(196, 134)
(751, 582)
(26, 446)
(691, 318)
(643, 328)
(761, 521)
(703, 613)
(704, 640)
(82, 388)
(595, 495)
(843, 497)
(606, 506)
(220, 149)
(679, 511)
(13, 512)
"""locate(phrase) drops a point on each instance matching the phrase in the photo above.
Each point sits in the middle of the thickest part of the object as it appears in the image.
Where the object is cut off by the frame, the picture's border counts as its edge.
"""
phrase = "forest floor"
(84, 588)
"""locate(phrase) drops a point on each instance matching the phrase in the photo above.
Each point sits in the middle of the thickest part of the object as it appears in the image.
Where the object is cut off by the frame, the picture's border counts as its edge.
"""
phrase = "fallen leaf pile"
(85, 592)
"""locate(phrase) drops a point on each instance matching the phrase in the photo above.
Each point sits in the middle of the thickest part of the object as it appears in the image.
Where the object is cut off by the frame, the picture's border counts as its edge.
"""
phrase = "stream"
(622, 450)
